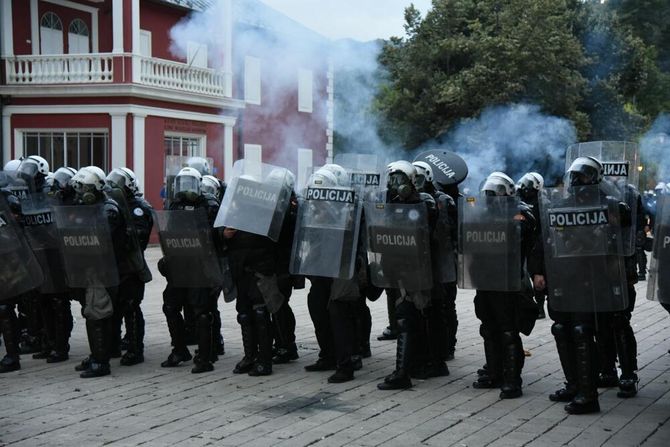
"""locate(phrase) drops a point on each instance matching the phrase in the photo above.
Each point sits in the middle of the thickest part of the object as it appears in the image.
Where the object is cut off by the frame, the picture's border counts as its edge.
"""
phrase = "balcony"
(108, 68)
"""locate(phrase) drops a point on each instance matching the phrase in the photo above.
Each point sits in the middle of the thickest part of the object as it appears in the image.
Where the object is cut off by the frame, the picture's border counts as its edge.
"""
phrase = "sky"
(356, 19)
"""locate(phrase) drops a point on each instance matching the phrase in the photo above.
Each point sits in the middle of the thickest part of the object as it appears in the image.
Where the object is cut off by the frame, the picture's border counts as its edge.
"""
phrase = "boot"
(399, 379)
(62, 327)
(9, 329)
(606, 345)
(539, 299)
(175, 322)
(176, 358)
(512, 363)
(100, 333)
(566, 355)
(263, 364)
(627, 351)
(219, 347)
(492, 352)
(586, 399)
(135, 336)
(248, 343)
(203, 362)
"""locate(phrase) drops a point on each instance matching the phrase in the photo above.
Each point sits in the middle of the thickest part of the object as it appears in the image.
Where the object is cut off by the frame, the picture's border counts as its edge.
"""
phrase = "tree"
(466, 55)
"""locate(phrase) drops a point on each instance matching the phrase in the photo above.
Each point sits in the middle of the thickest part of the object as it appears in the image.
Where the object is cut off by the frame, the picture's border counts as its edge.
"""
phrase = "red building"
(95, 82)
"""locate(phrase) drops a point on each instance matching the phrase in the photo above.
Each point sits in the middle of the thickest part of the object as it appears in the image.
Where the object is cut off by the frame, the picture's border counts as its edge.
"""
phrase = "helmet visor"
(186, 184)
(492, 188)
(117, 180)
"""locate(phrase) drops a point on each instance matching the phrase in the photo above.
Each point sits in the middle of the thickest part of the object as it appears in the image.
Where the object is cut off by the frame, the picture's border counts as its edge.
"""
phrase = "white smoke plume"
(655, 147)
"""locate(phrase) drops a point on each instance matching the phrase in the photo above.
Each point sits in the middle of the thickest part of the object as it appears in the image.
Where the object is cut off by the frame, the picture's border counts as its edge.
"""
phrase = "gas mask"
(400, 186)
(86, 194)
(187, 188)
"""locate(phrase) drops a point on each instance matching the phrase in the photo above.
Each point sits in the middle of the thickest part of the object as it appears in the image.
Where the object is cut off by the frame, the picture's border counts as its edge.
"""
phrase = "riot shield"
(19, 270)
(583, 250)
(135, 255)
(444, 258)
(621, 162)
(366, 170)
(256, 199)
(326, 233)
(39, 227)
(17, 186)
(489, 251)
(188, 248)
(658, 287)
(174, 164)
(86, 246)
(398, 244)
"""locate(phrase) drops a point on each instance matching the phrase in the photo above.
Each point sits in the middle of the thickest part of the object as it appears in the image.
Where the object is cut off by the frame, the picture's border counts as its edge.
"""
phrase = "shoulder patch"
(138, 212)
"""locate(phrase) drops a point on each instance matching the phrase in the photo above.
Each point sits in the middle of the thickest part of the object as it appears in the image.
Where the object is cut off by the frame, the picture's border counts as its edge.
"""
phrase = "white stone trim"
(139, 150)
(7, 36)
(18, 144)
(34, 27)
(228, 48)
(94, 18)
(118, 135)
(135, 33)
(117, 26)
(228, 152)
(6, 138)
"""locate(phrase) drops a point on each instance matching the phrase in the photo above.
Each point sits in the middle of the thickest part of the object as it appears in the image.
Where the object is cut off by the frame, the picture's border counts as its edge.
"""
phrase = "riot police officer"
(189, 197)
(138, 212)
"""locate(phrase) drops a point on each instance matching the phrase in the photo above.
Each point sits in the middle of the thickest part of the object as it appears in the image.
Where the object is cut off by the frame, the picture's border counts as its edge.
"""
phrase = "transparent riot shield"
(19, 270)
(398, 244)
(444, 238)
(326, 233)
(39, 227)
(583, 250)
(17, 186)
(658, 287)
(134, 252)
(621, 162)
(86, 246)
(366, 170)
(489, 252)
(174, 164)
(190, 257)
(256, 199)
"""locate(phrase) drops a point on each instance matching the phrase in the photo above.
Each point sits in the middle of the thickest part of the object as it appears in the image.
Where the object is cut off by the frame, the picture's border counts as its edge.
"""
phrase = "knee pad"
(560, 330)
(510, 338)
(403, 325)
(170, 310)
(244, 319)
(484, 331)
(261, 313)
(204, 320)
(582, 331)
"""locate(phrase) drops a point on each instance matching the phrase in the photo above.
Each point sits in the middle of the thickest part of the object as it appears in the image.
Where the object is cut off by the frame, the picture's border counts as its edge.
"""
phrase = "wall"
(159, 19)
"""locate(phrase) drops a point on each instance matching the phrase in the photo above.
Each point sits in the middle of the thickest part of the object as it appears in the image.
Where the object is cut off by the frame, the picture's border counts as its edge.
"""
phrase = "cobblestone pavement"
(145, 404)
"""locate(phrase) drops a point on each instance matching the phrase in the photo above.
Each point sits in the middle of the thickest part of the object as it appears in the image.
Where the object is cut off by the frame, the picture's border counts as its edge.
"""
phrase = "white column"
(117, 26)
(135, 32)
(228, 152)
(228, 48)
(138, 148)
(7, 36)
(34, 27)
(94, 32)
(6, 138)
(118, 139)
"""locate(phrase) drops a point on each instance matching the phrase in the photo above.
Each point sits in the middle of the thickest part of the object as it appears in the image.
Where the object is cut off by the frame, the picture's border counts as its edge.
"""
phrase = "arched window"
(78, 27)
(51, 34)
(51, 21)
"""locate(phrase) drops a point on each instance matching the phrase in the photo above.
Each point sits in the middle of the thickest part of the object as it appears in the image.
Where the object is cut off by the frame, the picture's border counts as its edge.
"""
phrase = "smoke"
(283, 47)
(655, 147)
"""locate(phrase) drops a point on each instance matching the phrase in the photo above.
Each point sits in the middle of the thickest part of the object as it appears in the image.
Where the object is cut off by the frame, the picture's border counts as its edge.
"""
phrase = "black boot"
(219, 347)
(606, 346)
(175, 322)
(566, 355)
(492, 351)
(586, 399)
(9, 329)
(627, 351)
(263, 364)
(203, 361)
(62, 327)
(399, 379)
(512, 363)
(99, 337)
(135, 336)
(248, 343)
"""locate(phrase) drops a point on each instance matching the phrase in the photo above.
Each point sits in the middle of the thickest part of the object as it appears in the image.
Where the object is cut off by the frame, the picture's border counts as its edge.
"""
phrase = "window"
(145, 43)
(305, 87)
(184, 145)
(78, 27)
(51, 34)
(77, 38)
(196, 55)
(68, 148)
(252, 80)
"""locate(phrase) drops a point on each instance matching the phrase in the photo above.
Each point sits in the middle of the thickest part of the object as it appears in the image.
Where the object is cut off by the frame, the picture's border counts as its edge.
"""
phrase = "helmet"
(12, 165)
(339, 172)
(424, 174)
(200, 164)
(281, 175)
(124, 179)
(33, 166)
(211, 185)
(322, 178)
(88, 183)
(401, 178)
(661, 188)
(62, 177)
(187, 184)
(498, 184)
(585, 171)
(529, 185)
